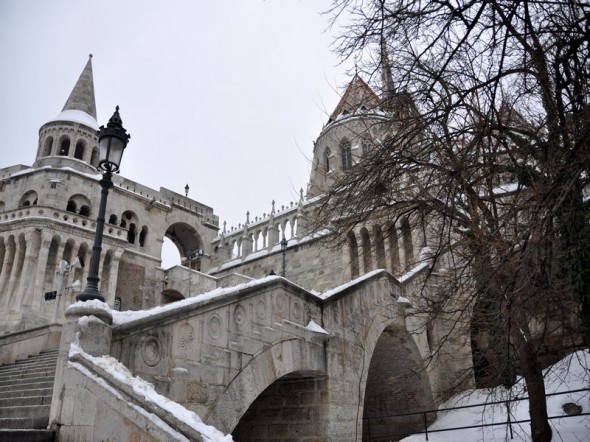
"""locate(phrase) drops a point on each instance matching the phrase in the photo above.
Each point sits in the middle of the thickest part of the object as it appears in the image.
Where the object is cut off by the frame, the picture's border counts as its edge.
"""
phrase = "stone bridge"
(270, 360)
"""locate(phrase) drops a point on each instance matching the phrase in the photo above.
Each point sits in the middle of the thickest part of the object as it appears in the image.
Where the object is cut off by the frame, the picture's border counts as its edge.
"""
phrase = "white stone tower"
(48, 213)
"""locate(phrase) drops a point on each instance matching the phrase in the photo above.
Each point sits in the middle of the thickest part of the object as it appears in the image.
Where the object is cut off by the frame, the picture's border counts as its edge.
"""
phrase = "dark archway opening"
(169, 296)
(397, 384)
(291, 408)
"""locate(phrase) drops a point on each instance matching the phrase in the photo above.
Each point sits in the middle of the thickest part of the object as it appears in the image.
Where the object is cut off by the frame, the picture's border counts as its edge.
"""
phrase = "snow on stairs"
(25, 398)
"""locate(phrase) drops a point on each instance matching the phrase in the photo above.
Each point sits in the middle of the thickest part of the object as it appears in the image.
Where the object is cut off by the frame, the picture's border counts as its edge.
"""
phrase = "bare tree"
(488, 148)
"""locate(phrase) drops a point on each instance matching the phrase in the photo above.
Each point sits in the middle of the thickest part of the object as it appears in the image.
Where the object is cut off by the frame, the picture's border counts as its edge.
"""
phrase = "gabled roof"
(358, 94)
(82, 96)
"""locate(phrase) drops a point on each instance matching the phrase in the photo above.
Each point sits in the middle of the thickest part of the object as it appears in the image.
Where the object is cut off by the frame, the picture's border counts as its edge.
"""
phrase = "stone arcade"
(266, 357)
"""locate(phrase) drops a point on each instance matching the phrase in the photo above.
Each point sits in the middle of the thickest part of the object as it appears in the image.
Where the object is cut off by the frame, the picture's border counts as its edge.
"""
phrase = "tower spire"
(82, 96)
(388, 94)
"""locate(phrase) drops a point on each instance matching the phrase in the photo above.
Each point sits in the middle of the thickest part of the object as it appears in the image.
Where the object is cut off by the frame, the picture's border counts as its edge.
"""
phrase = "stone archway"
(397, 383)
(291, 408)
(188, 242)
(287, 362)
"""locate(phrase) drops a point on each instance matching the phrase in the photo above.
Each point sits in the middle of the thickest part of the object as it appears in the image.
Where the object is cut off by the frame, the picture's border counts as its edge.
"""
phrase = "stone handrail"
(22, 344)
(137, 400)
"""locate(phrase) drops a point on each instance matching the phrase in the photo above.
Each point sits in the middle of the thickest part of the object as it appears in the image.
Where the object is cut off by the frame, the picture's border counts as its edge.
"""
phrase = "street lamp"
(284, 249)
(112, 141)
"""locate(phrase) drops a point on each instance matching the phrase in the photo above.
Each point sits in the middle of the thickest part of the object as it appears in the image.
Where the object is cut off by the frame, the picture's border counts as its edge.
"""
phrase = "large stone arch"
(291, 356)
(292, 407)
(396, 381)
(187, 240)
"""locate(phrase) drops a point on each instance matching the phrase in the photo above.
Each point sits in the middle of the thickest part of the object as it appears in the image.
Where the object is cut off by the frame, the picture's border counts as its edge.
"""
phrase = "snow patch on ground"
(571, 373)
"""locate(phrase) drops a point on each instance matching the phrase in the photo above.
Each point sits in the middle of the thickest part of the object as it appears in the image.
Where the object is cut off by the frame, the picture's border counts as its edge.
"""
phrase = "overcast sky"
(227, 96)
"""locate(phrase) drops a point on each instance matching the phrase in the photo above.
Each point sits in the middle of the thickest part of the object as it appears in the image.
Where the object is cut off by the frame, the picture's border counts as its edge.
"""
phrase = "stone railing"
(22, 344)
(262, 234)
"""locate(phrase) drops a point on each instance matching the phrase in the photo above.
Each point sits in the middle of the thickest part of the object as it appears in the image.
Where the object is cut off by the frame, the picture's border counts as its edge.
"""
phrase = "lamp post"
(284, 250)
(112, 141)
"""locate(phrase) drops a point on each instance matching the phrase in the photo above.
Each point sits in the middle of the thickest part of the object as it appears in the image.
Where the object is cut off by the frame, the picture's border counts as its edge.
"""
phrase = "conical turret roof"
(82, 96)
(80, 106)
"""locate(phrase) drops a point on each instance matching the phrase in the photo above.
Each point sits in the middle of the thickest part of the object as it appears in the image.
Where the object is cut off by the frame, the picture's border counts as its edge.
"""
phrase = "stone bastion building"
(320, 355)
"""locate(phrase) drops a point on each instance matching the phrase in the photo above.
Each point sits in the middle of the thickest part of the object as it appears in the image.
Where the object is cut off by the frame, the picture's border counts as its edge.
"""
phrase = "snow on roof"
(76, 116)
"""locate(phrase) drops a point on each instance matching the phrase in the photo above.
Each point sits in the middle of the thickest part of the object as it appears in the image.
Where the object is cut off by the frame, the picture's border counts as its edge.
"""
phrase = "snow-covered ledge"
(96, 398)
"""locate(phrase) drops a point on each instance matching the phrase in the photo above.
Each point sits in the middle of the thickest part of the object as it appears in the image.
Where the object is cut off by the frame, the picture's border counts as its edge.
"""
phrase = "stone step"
(26, 385)
(27, 435)
(25, 400)
(28, 423)
(47, 391)
(39, 371)
(25, 411)
(26, 379)
(41, 357)
(34, 366)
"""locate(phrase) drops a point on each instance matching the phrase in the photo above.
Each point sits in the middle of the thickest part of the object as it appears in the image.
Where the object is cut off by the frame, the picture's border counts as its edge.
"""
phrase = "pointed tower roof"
(387, 84)
(82, 96)
(358, 94)
(80, 106)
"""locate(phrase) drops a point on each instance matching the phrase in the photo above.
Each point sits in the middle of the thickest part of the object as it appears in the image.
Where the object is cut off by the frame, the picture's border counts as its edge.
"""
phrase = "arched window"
(143, 236)
(327, 155)
(366, 245)
(366, 147)
(80, 148)
(64, 147)
(113, 219)
(71, 207)
(79, 204)
(95, 157)
(85, 211)
(354, 255)
(131, 234)
(28, 199)
(407, 239)
(379, 247)
(48, 146)
(346, 154)
(393, 248)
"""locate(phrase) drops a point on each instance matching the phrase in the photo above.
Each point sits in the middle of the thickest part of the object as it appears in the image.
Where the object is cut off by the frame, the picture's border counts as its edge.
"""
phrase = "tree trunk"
(533, 376)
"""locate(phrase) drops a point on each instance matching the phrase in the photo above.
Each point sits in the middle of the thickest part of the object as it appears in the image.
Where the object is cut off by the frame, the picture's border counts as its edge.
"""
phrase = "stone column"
(7, 269)
(38, 285)
(27, 286)
(92, 335)
(16, 271)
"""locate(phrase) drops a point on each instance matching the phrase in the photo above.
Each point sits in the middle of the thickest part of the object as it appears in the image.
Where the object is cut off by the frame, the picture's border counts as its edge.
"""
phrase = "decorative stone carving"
(297, 310)
(186, 335)
(151, 351)
(261, 309)
(240, 315)
(215, 326)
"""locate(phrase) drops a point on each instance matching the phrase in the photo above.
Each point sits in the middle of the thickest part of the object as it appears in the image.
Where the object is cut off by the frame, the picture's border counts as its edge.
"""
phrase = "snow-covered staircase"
(25, 398)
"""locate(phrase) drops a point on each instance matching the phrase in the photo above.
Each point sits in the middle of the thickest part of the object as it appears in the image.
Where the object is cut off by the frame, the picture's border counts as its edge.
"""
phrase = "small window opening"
(71, 207)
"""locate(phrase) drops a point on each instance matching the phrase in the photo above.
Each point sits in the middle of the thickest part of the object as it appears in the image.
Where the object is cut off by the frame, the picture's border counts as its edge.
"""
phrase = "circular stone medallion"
(151, 351)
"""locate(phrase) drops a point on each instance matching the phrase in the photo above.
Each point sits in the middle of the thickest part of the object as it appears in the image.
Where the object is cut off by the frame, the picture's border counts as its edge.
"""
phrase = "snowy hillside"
(572, 373)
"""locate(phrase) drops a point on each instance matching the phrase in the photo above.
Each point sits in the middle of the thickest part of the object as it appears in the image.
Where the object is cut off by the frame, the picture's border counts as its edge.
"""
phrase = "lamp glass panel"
(111, 150)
